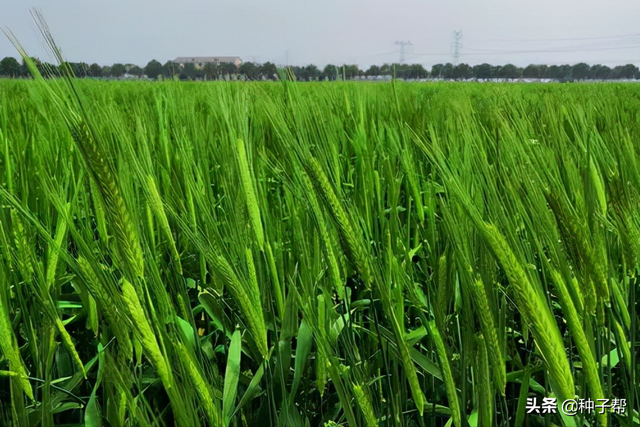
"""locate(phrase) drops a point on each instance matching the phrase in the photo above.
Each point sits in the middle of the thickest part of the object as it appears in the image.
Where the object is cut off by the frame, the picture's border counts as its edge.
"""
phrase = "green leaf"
(303, 349)
(231, 377)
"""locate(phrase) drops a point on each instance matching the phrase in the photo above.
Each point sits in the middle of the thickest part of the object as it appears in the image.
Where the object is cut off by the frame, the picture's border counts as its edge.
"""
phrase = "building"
(200, 61)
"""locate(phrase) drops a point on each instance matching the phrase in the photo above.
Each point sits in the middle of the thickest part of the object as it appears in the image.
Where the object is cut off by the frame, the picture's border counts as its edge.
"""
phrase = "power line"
(623, 36)
(565, 49)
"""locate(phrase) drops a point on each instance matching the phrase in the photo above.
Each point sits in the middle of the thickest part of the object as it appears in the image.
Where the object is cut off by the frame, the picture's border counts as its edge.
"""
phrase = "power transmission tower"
(457, 45)
(402, 46)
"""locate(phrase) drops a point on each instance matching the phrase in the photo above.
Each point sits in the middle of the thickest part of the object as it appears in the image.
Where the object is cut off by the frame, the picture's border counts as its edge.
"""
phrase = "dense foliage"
(10, 67)
(292, 254)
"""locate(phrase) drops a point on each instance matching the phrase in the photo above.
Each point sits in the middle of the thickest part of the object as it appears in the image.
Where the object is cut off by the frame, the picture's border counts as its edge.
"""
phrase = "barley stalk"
(252, 312)
(485, 390)
(577, 331)
(364, 401)
(145, 334)
(109, 308)
(200, 384)
(250, 195)
(334, 270)
(490, 335)
(535, 312)
(156, 205)
(447, 374)
(348, 238)
(9, 344)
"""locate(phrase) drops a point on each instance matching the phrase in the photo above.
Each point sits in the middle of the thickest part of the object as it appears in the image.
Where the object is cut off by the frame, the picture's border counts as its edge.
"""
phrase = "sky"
(362, 32)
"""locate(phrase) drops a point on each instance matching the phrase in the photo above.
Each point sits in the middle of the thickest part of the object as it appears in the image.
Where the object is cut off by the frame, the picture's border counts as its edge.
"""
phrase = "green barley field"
(318, 254)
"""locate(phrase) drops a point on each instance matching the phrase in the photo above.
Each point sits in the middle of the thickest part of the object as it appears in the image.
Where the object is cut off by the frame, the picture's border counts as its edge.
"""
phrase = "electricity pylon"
(457, 45)
(402, 46)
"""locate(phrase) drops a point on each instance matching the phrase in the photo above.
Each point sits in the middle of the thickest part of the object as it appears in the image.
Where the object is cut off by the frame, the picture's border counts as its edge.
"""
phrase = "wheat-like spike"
(414, 184)
(321, 357)
(595, 265)
(200, 384)
(598, 185)
(68, 343)
(98, 209)
(334, 270)
(252, 312)
(9, 344)
(483, 377)
(633, 234)
(348, 238)
(249, 192)
(118, 215)
(110, 309)
(442, 292)
(145, 334)
(447, 374)
(23, 251)
(156, 205)
(54, 247)
(254, 288)
(276, 281)
(574, 322)
(65, 96)
(364, 401)
(535, 312)
(490, 334)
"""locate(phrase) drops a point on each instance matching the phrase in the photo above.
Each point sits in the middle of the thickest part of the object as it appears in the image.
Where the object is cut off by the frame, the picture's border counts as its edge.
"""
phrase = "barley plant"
(316, 254)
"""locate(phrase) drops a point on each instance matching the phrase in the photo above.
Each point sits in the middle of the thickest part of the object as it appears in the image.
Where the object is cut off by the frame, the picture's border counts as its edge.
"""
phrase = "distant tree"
(447, 70)
(117, 70)
(79, 69)
(544, 71)
(95, 70)
(560, 72)
(555, 72)
(106, 71)
(312, 72)
(134, 70)
(373, 70)
(330, 72)
(436, 70)
(211, 71)
(417, 71)
(628, 71)
(386, 70)
(227, 68)
(580, 71)
(187, 71)
(351, 71)
(251, 70)
(531, 71)
(483, 71)
(10, 67)
(268, 71)
(509, 71)
(153, 69)
(600, 72)
(462, 71)
(170, 69)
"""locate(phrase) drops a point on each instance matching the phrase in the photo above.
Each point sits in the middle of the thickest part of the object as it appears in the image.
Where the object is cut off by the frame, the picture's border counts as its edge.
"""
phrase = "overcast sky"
(363, 32)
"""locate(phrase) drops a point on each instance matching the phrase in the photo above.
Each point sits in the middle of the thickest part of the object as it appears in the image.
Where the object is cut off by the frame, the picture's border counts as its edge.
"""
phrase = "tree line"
(10, 67)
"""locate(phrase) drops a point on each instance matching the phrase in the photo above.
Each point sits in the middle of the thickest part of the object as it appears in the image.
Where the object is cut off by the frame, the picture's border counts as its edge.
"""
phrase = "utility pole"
(457, 45)
(402, 46)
